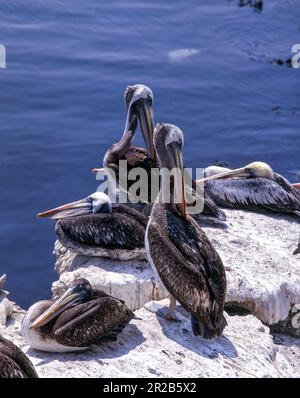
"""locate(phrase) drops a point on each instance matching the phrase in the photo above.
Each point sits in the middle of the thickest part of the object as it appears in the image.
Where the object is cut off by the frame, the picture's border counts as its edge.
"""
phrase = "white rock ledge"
(257, 251)
(153, 347)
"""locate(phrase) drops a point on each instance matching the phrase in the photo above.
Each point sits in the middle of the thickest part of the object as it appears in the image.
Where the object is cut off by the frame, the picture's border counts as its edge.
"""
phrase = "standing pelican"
(179, 251)
(80, 318)
(95, 227)
(139, 102)
(253, 187)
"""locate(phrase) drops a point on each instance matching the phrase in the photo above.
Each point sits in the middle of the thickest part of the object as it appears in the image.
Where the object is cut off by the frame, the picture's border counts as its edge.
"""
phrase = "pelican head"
(98, 202)
(168, 141)
(139, 99)
(79, 292)
(255, 169)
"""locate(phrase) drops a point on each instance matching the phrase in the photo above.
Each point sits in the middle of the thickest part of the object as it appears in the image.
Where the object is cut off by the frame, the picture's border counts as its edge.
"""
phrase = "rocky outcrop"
(131, 281)
(153, 347)
(263, 289)
(256, 249)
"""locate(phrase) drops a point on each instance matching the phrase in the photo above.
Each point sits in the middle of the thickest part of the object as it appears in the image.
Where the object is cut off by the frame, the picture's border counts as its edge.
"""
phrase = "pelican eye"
(149, 101)
(249, 171)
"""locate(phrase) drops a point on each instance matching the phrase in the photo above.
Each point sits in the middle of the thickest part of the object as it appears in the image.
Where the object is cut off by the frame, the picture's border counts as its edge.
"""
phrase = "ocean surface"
(218, 70)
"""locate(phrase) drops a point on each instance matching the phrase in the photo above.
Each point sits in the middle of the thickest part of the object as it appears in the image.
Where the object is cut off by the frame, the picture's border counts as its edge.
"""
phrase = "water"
(61, 98)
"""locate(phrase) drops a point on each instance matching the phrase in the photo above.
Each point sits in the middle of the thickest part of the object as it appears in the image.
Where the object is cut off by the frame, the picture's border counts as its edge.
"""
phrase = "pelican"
(14, 364)
(139, 103)
(179, 251)
(95, 227)
(80, 318)
(138, 100)
(253, 187)
(296, 185)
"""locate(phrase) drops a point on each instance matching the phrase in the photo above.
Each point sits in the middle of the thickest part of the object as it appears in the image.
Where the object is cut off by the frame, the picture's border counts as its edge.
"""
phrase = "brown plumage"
(254, 187)
(13, 362)
(115, 233)
(138, 101)
(91, 317)
(178, 249)
(95, 227)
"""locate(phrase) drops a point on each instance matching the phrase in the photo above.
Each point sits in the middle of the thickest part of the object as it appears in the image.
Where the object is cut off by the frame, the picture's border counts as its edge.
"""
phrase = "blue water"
(61, 98)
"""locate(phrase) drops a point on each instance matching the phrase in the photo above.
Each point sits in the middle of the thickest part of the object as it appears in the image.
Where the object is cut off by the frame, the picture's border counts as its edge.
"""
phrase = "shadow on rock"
(182, 334)
(127, 341)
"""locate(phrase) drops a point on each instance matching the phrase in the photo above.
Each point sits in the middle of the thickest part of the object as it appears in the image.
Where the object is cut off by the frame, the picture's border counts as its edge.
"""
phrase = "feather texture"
(189, 267)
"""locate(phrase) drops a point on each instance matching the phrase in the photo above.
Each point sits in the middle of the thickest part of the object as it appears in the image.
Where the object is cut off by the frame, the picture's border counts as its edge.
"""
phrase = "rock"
(132, 281)
(257, 252)
(264, 275)
(151, 346)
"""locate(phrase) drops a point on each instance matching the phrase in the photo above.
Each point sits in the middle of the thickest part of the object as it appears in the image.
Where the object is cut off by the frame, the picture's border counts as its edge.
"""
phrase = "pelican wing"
(10, 369)
(92, 322)
(14, 363)
(111, 231)
(189, 267)
(253, 193)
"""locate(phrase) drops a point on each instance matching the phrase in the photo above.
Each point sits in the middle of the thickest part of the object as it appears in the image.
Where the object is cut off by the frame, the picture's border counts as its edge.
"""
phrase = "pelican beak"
(2, 281)
(141, 108)
(177, 155)
(242, 172)
(145, 115)
(297, 186)
(80, 207)
(66, 301)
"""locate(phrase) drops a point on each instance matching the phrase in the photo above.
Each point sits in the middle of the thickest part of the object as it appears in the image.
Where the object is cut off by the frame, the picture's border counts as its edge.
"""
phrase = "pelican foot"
(164, 313)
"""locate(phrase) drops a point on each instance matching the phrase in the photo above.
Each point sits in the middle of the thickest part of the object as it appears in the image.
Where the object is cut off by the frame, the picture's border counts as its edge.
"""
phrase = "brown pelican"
(13, 362)
(253, 187)
(95, 227)
(179, 251)
(80, 318)
(139, 100)
(296, 185)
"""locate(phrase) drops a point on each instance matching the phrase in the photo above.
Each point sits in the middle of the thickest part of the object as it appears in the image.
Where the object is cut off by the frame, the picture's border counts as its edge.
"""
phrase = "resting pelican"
(253, 187)
(80, 318)
(14, 364)
(179, 251)
(139, 102)
(95, 227)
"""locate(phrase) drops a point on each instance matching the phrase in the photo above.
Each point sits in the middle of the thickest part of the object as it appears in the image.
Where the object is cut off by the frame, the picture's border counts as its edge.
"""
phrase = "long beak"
(77, 208)
(297, 185)
(58, 307)
(145, 115)
(2, 281)
(228, 174)
(179, 164)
